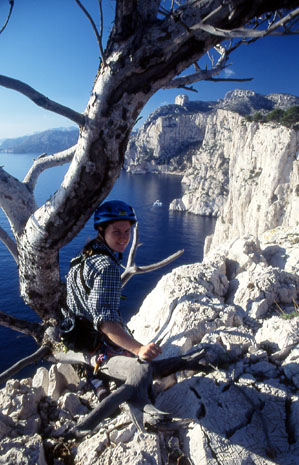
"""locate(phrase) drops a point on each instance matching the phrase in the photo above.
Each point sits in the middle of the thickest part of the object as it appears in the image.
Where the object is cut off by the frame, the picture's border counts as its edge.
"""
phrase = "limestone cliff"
(166, 142)
(250, 169)
(263, 172)
(173, 134)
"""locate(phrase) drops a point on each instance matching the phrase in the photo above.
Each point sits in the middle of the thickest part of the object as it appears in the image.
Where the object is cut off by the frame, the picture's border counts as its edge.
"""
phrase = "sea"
(161, 233)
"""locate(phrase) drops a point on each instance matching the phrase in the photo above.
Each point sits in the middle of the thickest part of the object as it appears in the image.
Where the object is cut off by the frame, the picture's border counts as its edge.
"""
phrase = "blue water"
(162, 232)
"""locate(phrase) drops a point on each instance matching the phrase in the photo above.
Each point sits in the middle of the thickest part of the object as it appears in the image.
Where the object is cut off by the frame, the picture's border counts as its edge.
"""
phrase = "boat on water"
(157, 203)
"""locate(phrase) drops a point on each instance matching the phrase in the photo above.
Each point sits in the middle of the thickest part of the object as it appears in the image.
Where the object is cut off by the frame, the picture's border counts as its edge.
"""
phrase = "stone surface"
(23, 450)
(41, 379)
(262, 188)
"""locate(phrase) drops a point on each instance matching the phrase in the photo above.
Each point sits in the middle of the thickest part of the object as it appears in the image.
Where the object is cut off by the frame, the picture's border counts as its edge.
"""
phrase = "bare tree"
(150, 44)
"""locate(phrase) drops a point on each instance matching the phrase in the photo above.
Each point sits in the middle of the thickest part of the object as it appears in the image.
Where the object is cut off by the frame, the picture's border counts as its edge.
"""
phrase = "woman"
(94, 281)
(93, 293)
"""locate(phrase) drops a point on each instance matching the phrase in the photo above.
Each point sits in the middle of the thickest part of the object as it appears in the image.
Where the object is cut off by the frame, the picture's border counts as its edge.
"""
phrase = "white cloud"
(228, 72)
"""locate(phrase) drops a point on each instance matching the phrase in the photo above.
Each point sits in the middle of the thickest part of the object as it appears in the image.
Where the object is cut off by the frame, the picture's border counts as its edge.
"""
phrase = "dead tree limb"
(16, 201)
(44, 162)
(132, 268)
(8, 16)
(94, 27)
(41, 100)
(244, 32)
(22, 326)
(41, 353)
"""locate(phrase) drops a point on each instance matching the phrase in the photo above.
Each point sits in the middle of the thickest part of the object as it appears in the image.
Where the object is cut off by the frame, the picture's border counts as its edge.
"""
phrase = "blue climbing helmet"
(114, 210)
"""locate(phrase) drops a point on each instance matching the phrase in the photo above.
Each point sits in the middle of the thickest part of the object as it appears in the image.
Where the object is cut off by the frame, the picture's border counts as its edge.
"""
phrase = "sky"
(50, 45)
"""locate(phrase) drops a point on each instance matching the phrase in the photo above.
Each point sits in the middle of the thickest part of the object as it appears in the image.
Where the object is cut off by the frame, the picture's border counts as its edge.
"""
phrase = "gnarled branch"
(244, 32)
(206, 75)
(29, 328)
(41, 353)
(44, 162)
(132, 268)
(41, 100)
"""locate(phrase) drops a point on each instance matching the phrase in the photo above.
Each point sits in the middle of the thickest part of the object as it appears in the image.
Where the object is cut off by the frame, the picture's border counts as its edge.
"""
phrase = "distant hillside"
(50, 141)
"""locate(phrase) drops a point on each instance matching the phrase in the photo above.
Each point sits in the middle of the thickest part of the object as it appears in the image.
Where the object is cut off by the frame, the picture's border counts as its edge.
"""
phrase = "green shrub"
(287, 118)
(275, 115)
(290, 117)
(258, 117)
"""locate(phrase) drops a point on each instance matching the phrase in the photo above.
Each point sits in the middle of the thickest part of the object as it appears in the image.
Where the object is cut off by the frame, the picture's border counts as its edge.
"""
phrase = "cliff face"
(263, 188)
(246, 173)
(166, 143)
(173, 134)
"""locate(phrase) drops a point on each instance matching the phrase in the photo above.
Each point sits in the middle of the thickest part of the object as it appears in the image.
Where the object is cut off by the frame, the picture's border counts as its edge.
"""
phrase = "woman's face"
(117, 235)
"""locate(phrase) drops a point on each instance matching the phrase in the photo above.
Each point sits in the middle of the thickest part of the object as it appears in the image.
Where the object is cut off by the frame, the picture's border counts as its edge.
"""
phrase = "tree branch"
(41, 353)
(26, 327)
(44, 162)
(9, 243)
(16, 201)
(243, 32)
(132, 268)
(8, 17)
(202, 75)
(98, 36)
(41, 100)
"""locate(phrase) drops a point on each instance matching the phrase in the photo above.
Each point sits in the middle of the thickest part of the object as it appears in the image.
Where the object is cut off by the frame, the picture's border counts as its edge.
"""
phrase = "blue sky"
(50, 45)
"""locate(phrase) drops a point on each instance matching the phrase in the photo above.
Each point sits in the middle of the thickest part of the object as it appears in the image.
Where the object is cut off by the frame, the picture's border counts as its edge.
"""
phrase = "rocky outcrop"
(166, 142)
(247, 102)
(241, 299)
(263, 188)
(251, 168)
(173, 134)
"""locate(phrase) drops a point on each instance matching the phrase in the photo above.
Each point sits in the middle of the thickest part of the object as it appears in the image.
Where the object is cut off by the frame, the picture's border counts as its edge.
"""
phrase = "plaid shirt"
(101, 275)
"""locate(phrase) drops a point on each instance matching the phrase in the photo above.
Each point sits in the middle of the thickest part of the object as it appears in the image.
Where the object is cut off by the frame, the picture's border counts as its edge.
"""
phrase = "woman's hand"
(120, 337)
(149, 351)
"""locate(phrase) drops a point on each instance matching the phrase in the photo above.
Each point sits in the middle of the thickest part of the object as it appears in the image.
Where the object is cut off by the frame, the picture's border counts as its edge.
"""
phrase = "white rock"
(291, 365)
(262, 194)
(41, 379)
(71, 402)
(57, 383)
(89, 450)
(69, 373)
(23, 450)
(278, 333)
(123, 435)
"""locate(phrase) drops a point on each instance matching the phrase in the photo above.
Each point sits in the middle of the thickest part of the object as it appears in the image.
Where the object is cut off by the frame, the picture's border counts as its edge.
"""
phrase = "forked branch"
(244, 32)
(132, 268)
(206, 74)
(97, 33)
(44, 162)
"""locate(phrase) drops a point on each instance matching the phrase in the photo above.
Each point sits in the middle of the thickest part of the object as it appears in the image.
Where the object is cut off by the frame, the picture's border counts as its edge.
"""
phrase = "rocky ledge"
(243, 298)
